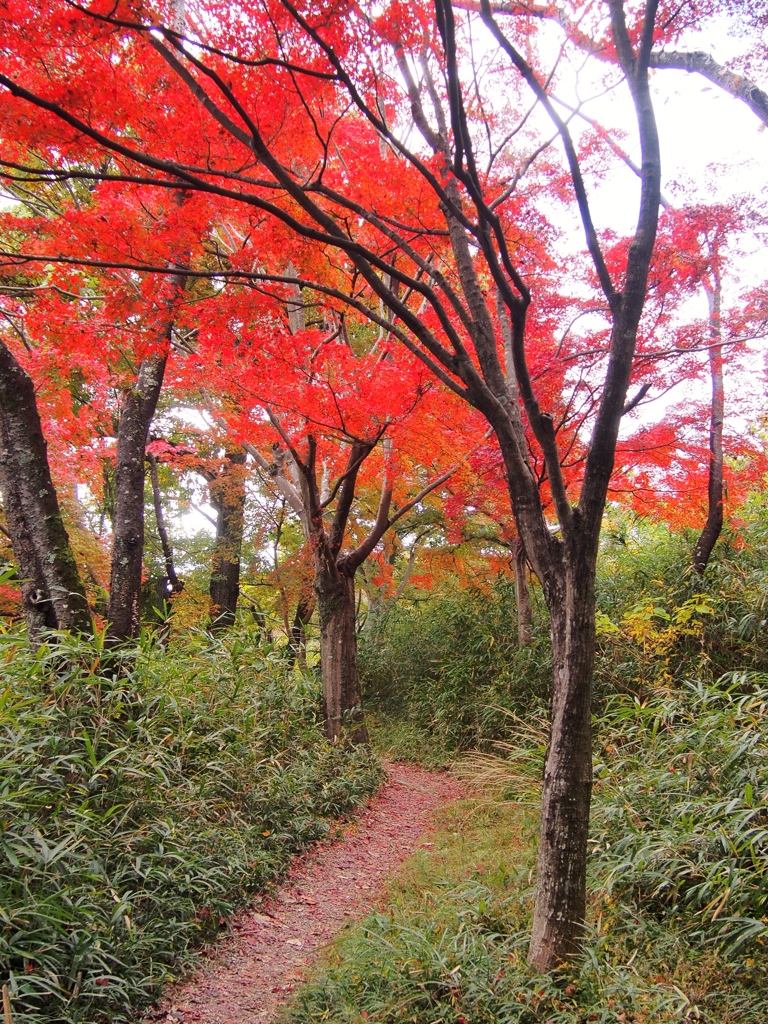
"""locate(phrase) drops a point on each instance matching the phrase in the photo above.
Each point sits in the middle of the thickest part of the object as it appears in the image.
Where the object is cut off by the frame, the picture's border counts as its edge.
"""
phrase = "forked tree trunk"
(38, 535)
(137, 408)
(342, 697)
(227, 494)
(522, 594)
(714, 524)
(558, 922)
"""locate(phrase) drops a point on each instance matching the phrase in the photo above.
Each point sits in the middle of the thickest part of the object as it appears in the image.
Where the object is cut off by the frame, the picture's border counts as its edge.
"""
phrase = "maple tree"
(41, 399)
(294, 116)
(703, 261)
(675, 468)
(121, 331)
(324, 422)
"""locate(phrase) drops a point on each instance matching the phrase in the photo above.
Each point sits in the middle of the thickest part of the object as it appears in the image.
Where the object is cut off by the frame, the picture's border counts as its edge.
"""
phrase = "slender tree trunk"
(264, 635)
(165, 542)
(38, 535)
(342, 698)
(558, 922)
(522, 594)
(304, 611)
(714, 523)
(169, 585)
(137, 408)
(227, 494)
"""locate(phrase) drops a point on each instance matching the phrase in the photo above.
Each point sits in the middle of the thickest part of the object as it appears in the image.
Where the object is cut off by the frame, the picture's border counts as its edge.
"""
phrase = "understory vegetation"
(678, 919)
(145, 799)
(451, 667)
(140, 807)
(679, 882)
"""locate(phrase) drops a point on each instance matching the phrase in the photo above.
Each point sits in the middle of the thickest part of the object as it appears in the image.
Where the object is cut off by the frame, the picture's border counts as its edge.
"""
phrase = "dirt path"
(251, 974)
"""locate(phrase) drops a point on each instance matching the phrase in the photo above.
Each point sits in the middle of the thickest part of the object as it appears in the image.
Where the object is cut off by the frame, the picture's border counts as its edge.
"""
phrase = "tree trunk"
(522, 594)
(137, 408)
(342, 698)
(227, 494)
(558, 921)
(38, 535)
(714, 523)
(263, 633)
(175, 584)
(35, 600)
(304, 611)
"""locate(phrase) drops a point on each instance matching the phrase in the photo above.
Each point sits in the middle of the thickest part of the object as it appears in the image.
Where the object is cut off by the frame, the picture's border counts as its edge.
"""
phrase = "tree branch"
(701, 63)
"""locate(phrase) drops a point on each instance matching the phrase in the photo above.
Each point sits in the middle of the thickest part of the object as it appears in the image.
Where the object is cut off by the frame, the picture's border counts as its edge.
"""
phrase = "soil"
(251, 973)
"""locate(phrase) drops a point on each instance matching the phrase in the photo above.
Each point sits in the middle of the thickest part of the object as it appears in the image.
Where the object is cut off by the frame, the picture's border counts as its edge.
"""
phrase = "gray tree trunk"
(342, 697)
(137, 408)
(714, 524)
(558, 922)
(35, 600)
(176, 585)
(38, 535)
(227, 495)
(304, 612)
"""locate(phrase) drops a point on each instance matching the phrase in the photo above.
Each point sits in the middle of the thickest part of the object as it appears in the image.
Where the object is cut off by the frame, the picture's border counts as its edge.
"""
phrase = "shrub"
(137, 812)
(680, 826)
(453, 666)
(659, 622)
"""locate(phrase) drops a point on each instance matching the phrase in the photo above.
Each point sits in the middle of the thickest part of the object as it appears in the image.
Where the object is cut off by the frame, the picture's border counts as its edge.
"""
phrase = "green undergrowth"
(137, 812)
(678, 880)
(451, 667)
(398, 740)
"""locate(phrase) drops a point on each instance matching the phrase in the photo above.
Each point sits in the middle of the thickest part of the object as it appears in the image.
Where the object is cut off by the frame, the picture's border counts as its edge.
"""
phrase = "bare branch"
(698, 62)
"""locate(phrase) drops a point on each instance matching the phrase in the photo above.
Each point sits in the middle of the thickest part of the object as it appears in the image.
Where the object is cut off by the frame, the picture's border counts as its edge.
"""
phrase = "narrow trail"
(250, 975)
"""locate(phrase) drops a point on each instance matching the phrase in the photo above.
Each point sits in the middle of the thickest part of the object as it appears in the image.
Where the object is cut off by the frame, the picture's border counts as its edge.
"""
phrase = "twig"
(7, 1015)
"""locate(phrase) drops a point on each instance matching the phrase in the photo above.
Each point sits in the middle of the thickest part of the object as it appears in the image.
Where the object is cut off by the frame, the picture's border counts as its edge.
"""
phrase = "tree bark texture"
(714, 524)
(334, 585)
(562, 863)
(227, 495)
(137, 407)
(38, 535)
(176, 585)
(342, 697)
(35, 600)
(736, 85)
(304, 611)
(522, 594)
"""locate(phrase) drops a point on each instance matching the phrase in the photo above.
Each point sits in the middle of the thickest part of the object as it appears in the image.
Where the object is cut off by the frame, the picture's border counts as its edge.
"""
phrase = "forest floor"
(250, 974)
